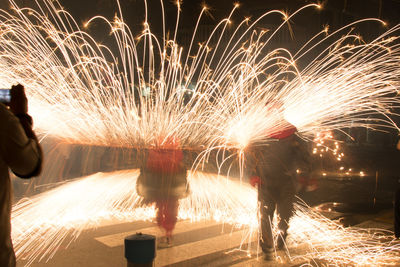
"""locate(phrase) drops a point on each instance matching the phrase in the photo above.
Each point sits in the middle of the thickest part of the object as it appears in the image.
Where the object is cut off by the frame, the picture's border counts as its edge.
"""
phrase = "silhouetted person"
(20, 151)
(273, 169)
(397, 213)
(396, 205)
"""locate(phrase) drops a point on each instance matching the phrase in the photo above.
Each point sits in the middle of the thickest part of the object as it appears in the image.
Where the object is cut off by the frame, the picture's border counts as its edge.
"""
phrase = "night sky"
(386, 9)
(336, 13)
(133, 10)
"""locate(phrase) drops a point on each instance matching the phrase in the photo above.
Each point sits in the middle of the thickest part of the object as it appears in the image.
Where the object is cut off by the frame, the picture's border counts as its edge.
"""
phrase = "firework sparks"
(82, 92)
(41, 224)
(321, 238)
(328, 151)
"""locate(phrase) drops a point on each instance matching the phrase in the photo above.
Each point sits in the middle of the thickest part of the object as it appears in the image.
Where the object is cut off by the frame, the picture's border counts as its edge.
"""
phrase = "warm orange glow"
(211, 97)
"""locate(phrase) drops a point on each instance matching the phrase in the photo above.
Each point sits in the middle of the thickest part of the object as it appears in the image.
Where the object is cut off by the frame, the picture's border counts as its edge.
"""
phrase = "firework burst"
(82, 92)
(210, 97)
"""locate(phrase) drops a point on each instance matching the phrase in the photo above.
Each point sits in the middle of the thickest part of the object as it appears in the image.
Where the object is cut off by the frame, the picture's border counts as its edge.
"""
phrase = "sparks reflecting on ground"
(323, 239)
(41, 223)
(44, 222)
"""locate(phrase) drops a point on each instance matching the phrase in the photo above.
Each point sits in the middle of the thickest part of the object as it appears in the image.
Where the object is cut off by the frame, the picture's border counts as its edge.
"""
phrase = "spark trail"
(44, 222)
(82, 92)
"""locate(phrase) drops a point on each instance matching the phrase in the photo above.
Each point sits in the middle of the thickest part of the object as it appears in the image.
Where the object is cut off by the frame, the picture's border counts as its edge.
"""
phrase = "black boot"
(281, 242)
(269, 254)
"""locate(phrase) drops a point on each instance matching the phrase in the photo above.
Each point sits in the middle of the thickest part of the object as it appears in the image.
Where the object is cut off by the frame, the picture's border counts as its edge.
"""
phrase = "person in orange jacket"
(163, 181)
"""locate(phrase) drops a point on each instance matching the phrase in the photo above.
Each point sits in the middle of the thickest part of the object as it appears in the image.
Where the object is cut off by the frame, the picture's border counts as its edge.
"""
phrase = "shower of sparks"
(320, 238)
(323, 145)
(44, 222)
(209, 96)
(41, 223)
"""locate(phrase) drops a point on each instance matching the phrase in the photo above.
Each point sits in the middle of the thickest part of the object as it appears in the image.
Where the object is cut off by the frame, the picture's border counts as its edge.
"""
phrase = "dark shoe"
(269, 257)
(280, 243)
(269, 254)
(165, 242)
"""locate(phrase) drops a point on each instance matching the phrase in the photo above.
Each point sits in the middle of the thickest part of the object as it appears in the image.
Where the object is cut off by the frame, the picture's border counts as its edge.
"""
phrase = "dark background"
(335, 13)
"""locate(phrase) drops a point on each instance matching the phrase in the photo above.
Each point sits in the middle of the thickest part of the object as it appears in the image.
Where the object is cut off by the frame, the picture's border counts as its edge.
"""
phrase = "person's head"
(275, 108)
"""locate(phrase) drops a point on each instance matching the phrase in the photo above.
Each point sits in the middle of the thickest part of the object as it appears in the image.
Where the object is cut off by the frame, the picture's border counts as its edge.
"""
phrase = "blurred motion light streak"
(83, 92)
(42, 223)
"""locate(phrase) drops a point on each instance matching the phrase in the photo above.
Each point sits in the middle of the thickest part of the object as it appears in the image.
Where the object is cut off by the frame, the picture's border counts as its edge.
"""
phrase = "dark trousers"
(397, 213)
(279, 197)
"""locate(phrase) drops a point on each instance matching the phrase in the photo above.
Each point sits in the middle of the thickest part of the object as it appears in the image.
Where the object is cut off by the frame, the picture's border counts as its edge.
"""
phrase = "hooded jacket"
(23, 156)
(278, 160)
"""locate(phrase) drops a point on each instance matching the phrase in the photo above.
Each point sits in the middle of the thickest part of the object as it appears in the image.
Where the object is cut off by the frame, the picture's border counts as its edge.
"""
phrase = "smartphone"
(5, 96)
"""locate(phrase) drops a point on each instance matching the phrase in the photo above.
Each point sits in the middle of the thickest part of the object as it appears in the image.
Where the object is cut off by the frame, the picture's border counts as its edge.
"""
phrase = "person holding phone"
(19, 151)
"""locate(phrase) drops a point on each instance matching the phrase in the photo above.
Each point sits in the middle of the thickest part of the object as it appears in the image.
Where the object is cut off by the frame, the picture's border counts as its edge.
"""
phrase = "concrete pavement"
(195, 244)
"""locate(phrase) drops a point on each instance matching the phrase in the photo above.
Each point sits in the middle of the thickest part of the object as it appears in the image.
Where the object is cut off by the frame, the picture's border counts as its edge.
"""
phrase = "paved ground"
(195, 244)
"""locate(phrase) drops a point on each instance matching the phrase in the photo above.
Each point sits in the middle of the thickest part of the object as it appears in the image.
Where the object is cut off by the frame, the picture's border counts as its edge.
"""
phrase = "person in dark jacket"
(397, 212)
(19, 151)
(273, 169)
(396, 206)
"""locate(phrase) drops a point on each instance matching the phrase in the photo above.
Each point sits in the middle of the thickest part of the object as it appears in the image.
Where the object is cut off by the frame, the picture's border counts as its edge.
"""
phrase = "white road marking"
(116, 240)
(200, 248)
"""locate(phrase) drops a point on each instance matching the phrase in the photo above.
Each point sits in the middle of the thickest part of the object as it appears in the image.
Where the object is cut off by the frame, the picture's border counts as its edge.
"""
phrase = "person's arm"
(305, 163)
(251, 167)
(302, 154)
(18, 143)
